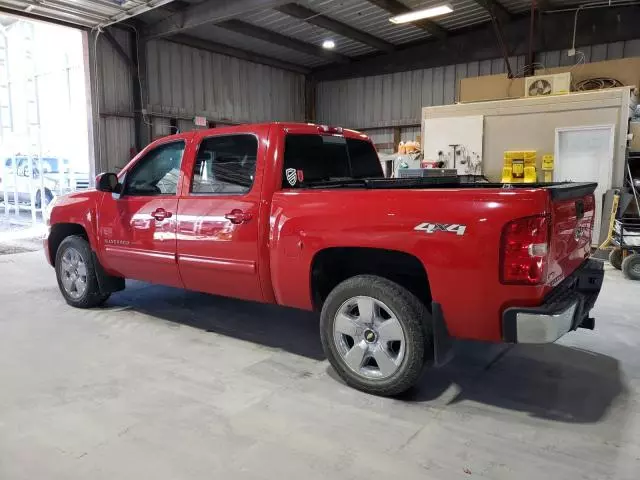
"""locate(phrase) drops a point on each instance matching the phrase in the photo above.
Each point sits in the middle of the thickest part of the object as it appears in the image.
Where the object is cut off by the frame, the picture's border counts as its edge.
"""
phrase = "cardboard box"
(634, 129)
(490, 87)
(500, 87)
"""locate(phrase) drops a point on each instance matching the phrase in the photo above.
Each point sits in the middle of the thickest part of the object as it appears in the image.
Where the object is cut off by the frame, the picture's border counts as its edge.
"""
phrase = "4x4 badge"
(456, 228)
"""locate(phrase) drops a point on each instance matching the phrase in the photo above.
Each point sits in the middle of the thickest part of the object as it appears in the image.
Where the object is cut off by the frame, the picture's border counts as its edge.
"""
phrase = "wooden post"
(397, 137)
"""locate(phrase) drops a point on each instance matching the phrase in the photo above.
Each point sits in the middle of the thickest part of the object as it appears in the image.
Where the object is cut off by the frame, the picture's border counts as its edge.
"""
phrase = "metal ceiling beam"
(307, 15)
(212, 11)
(596, 26)
(176, 6)
(394, 7)
(236, 52)
(495, 9)
(270, 36)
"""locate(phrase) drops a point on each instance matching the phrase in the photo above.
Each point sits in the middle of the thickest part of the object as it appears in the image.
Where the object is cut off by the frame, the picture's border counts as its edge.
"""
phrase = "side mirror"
(107, 182)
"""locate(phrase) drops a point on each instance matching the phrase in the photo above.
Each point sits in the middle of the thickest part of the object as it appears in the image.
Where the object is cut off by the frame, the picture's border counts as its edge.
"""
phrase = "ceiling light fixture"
(329, 44)
(422, 14)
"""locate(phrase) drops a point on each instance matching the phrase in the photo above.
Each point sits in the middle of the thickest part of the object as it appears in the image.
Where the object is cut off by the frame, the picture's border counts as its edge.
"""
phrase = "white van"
(57, 179)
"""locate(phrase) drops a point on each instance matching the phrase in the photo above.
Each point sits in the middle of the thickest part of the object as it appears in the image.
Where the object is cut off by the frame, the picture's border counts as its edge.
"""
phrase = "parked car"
(57, 178)
(302, 216)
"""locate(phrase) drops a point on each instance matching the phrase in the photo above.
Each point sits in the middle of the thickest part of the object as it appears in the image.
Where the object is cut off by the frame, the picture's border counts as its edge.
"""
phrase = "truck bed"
(454, 230)
(558, 190)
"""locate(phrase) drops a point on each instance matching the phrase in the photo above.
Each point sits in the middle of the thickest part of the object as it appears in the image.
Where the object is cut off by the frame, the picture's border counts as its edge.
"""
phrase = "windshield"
(318, 158)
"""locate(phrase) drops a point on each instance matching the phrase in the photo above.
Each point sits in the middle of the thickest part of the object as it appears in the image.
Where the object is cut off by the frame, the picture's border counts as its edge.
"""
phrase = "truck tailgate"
(572, 209)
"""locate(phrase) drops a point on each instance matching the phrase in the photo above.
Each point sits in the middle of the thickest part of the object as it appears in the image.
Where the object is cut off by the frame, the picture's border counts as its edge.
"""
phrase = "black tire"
(410, 312)
(615, 258)
(92, 296)
(631, 266)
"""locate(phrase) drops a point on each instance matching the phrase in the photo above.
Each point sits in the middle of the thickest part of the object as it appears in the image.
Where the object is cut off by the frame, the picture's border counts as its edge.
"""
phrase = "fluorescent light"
(329, 44)
(422, 14)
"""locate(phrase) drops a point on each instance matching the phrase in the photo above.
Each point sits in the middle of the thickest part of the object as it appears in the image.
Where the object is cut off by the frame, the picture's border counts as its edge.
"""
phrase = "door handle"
(237, 216)
(160, 214)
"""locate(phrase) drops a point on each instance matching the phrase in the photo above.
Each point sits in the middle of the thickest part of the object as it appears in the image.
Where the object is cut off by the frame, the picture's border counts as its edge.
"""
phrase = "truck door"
(218, 222)
(137, 229)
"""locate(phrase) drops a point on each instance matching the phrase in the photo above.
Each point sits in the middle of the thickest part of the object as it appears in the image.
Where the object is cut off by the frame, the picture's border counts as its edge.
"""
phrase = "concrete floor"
(17, 232)
(166, 384)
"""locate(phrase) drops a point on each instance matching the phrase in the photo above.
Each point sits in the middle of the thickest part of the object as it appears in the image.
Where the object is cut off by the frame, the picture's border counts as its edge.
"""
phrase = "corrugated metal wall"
(594, 53)
(116, 135)
(185, 82)
(396, 99)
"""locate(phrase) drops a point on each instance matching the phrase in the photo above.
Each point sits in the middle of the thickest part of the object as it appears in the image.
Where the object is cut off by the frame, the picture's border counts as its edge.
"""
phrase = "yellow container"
(507, 174)
(530, 175)
(519, 166)
(520, 154)
(547, 162)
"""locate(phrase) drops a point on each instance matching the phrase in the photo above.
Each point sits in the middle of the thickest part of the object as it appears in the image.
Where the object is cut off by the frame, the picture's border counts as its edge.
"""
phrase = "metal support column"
(6, 119)
(139, 76)
(33, 169)
(91, 79)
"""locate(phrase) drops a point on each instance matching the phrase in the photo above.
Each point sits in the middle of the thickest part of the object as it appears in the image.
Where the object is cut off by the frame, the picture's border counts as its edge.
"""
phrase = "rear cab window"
(312, 158)
(225, 164)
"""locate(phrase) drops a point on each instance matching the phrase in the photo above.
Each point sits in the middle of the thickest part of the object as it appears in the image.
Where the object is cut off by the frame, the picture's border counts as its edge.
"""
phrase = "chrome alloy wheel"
(369, 338)
(73, 273)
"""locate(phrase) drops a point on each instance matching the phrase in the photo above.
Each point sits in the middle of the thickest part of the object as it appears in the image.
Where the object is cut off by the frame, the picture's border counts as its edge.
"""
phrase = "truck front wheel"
(76, 274)
(376, 334)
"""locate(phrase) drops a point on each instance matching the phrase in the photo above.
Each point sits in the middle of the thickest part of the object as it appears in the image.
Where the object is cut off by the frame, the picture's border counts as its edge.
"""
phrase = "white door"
(585, 154)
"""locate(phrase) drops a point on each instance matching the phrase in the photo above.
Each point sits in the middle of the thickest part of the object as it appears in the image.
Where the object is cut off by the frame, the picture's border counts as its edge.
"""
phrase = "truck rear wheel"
(631, 266)
(76, 274)
(376, 334)
(615, 258)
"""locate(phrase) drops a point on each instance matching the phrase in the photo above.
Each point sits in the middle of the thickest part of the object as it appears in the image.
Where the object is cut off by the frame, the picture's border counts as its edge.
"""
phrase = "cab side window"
(225, 165)
(157, 173)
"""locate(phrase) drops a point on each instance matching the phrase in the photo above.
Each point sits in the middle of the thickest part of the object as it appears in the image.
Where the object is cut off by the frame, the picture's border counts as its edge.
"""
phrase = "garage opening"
(44, 142)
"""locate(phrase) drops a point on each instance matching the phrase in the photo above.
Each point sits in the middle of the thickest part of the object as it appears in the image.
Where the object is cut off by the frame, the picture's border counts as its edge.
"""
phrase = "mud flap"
(442, 341)
(107, 283)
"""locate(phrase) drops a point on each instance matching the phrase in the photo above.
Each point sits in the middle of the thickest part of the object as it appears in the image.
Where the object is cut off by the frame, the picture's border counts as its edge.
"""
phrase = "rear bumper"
(564, 309)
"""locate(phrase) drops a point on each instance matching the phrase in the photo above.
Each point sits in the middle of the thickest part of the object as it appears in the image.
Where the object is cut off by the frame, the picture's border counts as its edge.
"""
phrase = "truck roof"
(247, 127)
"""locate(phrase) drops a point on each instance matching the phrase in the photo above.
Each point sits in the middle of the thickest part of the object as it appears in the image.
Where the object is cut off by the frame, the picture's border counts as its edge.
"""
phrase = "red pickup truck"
(301, 215)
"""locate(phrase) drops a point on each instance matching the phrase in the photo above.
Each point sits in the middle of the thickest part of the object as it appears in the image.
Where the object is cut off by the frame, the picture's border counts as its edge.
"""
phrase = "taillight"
(524, 248)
